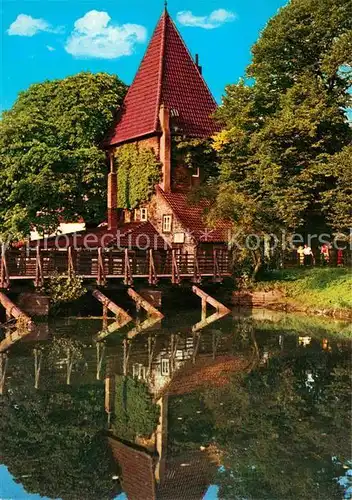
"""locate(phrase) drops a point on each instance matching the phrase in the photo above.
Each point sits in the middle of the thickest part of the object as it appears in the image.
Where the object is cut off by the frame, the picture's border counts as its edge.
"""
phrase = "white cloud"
(214, 20)
(50, 48)
(25, 25)
(95, 36)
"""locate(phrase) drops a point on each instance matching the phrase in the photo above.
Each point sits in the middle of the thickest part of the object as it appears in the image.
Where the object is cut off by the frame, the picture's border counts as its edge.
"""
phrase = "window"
(179, 237)
(144, 214)
(165, 367)
(139, 371)
(196, 172)
(167, 223)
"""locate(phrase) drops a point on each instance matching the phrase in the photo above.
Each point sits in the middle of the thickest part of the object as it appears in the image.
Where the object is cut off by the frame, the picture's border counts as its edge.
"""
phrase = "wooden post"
(3, 368)
(217, 273)
(197, 278)
(175, 271)
(153, 278)
(151, 350)
(174, 345)
(126, 356)
(221, 310)
(69, 364)
(196, 342)
(151, 310)
(4, 273)
(128, 275)
(70, 263)
(215, 342)
(37, 365)
(101, 280)
(38, 268)
(100, 358)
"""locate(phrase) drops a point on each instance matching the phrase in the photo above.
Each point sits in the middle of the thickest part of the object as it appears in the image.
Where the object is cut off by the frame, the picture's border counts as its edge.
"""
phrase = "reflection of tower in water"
(172, 367)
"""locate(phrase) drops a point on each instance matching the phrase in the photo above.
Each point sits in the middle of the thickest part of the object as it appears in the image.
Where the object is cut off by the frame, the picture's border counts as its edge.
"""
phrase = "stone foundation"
(34, 304)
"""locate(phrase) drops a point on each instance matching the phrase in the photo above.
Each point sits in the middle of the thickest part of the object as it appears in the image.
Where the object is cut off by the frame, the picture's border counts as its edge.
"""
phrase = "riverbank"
(324, 291)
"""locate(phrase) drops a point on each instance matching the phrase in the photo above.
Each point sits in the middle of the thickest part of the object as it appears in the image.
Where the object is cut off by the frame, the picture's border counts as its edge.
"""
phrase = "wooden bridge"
(103, 264)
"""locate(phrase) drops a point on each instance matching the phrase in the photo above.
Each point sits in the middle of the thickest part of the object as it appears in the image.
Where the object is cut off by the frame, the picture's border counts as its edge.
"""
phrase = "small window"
(144, 214)
(165, 367)
(167, 223)
(196, 172)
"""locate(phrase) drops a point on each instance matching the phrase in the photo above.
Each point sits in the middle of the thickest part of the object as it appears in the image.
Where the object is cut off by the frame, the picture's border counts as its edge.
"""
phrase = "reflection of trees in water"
(52, 440)
(279, 433)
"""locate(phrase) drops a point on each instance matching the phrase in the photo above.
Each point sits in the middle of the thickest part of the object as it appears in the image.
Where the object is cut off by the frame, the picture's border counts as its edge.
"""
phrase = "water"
(251, 407)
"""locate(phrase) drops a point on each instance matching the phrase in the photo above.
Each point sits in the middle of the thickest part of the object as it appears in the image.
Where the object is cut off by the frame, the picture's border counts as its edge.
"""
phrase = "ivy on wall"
(194, 153)
(135, 412)
(137, 173)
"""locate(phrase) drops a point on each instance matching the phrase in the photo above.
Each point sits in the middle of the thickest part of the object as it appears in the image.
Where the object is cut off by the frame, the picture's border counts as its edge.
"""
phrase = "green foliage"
(189, 421)
(285, 134)
(135, 413)
(52, 441)
(326, 288)
(271, 427)
(138, 172)
(63, 289)
(51, 159)
(196, 153)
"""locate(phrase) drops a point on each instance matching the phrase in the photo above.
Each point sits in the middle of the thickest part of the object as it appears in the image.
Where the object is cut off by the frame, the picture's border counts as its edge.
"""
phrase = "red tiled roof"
(137, 471)
(167, 75)
(192, 218)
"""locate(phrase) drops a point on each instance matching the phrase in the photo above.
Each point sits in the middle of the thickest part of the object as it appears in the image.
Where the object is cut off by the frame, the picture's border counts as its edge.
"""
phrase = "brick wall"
(159, 207)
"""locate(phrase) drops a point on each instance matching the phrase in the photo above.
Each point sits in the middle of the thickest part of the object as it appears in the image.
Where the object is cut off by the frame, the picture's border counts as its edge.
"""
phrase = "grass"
(316, 288)
(318, 327)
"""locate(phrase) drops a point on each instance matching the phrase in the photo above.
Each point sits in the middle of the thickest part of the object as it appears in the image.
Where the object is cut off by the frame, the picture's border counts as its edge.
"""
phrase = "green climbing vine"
(138, 172)
(135, 412)
(194, 153)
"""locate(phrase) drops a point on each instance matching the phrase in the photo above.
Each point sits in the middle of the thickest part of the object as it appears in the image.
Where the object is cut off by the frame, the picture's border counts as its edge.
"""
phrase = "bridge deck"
(102, 264)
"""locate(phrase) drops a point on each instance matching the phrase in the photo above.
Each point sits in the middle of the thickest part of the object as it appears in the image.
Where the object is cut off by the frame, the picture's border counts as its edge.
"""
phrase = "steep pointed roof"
(167, 75)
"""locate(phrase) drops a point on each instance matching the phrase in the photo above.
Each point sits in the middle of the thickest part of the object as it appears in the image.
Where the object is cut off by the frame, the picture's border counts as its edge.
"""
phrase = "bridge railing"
(37, 264)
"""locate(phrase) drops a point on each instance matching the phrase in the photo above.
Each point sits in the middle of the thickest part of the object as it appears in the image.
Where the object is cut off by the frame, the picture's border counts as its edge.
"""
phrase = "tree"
(52, 165)
(271, 427)
(53, 440)
(284, 129)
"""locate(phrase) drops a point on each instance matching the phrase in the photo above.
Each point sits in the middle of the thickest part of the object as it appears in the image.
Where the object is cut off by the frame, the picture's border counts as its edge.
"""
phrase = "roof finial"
(165, 4)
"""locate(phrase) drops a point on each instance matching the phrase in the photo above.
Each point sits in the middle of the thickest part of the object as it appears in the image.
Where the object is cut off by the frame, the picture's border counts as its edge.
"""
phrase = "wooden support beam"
(147, 306)
(122, 317)
(197, 277)
(217, 272)
(70, 263)
(210, 300)
(128, 275)
(126, 356)
(24, 322)
(101, 279)
(109, 393)
(38, 353)
(109, 304)
(146, 325)
(100, 358)
(39, 281)
(221, 310)
(12, 309)
(151, 351)
(3, 368)
(4, 274)
(153, 277)
(175, 276)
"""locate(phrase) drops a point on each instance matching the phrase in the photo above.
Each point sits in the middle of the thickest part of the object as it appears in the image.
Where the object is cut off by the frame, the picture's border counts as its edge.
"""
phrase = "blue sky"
(48, 39)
